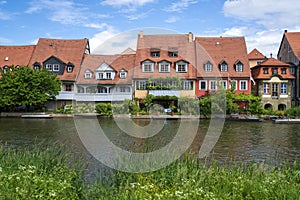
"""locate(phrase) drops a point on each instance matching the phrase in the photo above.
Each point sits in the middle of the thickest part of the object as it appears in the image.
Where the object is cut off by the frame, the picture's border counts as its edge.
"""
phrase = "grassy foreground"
(46, 173)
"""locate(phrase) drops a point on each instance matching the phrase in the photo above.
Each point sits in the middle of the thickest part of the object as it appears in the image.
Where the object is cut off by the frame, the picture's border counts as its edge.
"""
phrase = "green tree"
(23, 86)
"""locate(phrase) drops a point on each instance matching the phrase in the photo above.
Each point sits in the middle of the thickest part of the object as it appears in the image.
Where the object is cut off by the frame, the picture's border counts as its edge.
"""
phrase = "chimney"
(141, 34)
(285, 31)
(271, 55)
(191, 37)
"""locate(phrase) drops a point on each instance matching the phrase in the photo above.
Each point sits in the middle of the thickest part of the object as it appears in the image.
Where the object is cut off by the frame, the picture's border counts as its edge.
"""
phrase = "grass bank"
(47, 173)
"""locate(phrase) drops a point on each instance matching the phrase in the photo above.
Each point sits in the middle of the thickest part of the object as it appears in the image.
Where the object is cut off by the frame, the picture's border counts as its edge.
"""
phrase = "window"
(181, 67)
(203, 85)
(283, 70)
(69, 69)
(266, 70)
(102, 90)
(141, 85)
(108, 75)
(148, 66)
(223, 67)
(283, 88)
(239, 67)
(155, 53)
(187, 85)
(123, 74)
(208, 67)
(213, 85)
(266, 88)
(56, 67)
(223, 84)
(69, 87)
(5, 69)
(173, 54)
(243, 85)
(274, 90)
(49, 67)
(233, 84)
(164, 67)
(88, 74)
(292, 70)
(124, 89)
(275, 70)
(100, 75)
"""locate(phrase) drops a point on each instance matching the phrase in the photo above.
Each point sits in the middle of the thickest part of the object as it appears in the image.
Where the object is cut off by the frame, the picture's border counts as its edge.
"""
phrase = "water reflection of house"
(224, 64)
(273, 80)
(289, 52)
(105, 78)
(64, 58)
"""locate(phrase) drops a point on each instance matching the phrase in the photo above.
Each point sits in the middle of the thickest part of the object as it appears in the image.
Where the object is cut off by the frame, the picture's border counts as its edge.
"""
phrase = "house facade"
(64, 58)
(165, 65)
(222, 62)
(273, 83)
(289, 52)
(105, 78)
(255, 58)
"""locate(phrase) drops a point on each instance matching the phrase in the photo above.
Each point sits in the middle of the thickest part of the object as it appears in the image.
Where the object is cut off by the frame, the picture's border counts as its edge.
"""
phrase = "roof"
(294, 41)
(15, 55)
(256, 55)
(66, 50)
(257, 71)
(117, 62)
(219, 49)
(182, 43)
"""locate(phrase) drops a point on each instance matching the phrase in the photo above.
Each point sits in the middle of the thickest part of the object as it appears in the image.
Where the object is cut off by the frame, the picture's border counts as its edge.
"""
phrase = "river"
(239, 141)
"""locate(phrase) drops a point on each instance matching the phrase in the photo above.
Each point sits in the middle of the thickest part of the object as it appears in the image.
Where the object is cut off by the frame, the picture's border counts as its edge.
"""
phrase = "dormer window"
(70, 67)
(181, 66)
(5, 69)
(105, 72)
(148, 66)
(283, 70)
(155, 53)
(275, 71)
(208, 66)
(123, 74)
(49, 67)
(266, 70)
(173, 52)
(223, 67)
(88, 74)
(164, 66)
(239, 67)
(55, 67)
(36, 66)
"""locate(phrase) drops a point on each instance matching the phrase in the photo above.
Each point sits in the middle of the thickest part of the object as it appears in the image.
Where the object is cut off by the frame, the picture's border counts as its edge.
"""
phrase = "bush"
(293, 112)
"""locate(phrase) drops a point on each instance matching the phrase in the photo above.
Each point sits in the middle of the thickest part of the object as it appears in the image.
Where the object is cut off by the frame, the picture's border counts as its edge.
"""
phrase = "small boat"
(42, 116)
(245, 119)
(286, 121)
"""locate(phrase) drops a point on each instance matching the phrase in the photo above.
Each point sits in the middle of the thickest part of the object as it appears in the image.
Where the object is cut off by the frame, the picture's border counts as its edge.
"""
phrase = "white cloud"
(180, 5)
(172, 19)
(268, 13)
(97, 26)
(5, 40)
(3, 2)
(129, 3)
(63, 11)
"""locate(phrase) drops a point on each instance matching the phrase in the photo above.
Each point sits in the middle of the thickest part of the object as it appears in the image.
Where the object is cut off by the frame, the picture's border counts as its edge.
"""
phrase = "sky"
(261, 22)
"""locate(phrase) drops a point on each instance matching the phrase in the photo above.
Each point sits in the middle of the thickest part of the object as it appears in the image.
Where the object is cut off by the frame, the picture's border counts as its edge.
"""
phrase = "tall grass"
(47, 173)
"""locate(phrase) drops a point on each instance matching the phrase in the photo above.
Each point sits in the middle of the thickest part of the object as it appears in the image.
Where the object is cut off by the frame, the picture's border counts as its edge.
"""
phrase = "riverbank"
(46, 173)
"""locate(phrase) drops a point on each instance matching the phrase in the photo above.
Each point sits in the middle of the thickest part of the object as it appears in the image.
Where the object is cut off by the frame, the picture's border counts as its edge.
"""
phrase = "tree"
(23, 86)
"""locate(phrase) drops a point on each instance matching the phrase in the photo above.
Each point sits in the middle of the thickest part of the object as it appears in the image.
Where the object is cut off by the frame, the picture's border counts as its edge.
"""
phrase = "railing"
(102, 97)
(165, 92)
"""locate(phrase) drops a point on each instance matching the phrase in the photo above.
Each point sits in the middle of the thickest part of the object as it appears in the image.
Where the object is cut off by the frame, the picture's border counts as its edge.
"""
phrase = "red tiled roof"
(117, 62)
(294, 41)
(219, 49)
(15, 55)
(182, 43)
(256, 55)
(65, 50)
(258, 70)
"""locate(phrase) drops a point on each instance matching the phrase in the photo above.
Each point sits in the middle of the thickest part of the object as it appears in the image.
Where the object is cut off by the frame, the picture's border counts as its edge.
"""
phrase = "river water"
(239, 141)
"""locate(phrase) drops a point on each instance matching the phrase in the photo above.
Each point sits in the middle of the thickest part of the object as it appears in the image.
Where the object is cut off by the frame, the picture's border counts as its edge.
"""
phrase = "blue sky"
(262, 22)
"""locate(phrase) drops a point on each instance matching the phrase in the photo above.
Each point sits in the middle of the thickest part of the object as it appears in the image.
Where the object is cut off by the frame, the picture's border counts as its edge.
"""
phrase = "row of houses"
(180, 65)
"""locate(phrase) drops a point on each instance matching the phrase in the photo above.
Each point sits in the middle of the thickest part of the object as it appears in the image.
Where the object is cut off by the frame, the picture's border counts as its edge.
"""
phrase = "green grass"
(47, 173)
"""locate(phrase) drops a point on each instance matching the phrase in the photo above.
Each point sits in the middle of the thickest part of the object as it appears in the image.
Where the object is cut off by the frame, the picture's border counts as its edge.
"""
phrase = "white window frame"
(141, 85)
(208, 67)
(49, 67)
(55, 67)
(224, 67)
(187, 85)
(69, 69)
(100, 76)
(203, 81)
(148, 66)
(87, 75)
(246, 85)
(266, 88)
(164, 67)
(181, 67)
(223, 84)
(239, 67)
(283, 88)
(108, 75)
(123, 74)
(213, 83)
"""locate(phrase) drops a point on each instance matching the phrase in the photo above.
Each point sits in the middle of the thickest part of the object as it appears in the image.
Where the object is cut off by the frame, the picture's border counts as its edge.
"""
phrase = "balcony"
(65, 95)
(165, 92)
(98, 97)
